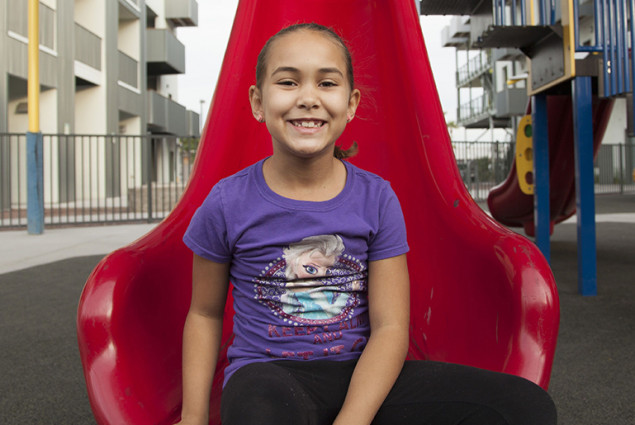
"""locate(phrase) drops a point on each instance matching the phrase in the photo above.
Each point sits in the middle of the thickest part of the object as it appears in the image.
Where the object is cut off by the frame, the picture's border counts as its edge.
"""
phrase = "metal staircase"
(578, 47)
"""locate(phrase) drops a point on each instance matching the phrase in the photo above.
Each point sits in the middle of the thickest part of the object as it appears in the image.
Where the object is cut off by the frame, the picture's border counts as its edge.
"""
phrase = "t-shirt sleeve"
(390, 239)
(206, 234)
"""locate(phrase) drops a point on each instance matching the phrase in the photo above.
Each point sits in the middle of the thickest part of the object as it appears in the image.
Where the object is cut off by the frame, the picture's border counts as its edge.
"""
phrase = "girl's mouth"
(307, 123)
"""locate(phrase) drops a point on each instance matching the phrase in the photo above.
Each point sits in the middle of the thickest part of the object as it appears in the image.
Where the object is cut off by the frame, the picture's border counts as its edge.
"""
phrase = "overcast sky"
(205, 48)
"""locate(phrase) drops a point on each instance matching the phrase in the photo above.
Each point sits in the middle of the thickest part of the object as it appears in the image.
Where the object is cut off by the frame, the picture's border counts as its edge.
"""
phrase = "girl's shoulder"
(230, 189)
(365, 179)
(239, 179)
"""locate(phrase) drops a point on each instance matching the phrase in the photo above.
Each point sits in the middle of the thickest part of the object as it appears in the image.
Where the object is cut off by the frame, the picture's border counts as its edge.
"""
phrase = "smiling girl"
(347, 366)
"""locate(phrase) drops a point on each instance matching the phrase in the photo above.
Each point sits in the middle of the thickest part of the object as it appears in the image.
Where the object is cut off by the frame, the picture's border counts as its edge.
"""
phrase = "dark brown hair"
(261, 66)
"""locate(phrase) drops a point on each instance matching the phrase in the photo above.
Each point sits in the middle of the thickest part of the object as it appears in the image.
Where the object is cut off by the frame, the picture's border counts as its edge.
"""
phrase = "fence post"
(621, 150)
(149, 165)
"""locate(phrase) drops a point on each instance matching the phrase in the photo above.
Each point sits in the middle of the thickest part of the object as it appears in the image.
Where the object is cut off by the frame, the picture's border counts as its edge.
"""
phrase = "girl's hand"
(190, 423)
(201, 337)
(384, 355)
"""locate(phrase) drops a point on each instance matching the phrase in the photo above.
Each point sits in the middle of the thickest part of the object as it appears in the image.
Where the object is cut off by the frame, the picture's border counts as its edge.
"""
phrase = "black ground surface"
(593, 374)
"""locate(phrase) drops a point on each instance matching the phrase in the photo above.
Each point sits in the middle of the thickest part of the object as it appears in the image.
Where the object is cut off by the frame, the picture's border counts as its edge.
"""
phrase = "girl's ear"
(255, 99)
(353, 102)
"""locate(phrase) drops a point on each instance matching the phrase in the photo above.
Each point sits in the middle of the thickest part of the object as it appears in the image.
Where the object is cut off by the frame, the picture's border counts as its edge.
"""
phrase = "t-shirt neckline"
(285, 202)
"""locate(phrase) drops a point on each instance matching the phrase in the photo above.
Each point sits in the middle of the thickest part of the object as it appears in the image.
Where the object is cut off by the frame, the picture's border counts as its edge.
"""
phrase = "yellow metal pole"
(34, 143)
(34, 67)
(531, 12)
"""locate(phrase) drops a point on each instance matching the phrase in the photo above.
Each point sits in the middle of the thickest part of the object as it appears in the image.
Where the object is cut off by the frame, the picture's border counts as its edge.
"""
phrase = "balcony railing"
(476, 66)
(165, 53)
(87, 47)
(128, 70)
(167, 116)
(182, 13)
(18, 23)
(476, 107)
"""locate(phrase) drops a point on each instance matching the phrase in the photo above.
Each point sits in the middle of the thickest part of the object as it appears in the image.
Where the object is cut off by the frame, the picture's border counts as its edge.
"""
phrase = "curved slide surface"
(511, 207)
(481, 295)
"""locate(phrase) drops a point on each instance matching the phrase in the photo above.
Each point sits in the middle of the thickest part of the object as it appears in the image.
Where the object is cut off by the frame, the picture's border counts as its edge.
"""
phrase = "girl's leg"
(286, 393)
(263, 393)
(441, 393)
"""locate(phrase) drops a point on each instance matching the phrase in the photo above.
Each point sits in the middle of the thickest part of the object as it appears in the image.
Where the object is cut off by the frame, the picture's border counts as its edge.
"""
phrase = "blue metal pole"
(605, 47)
(35, 183)
(596, 19)
(626, 75)
(542, 11)
(576, 27)
(584, 187)
(612, 37)
(542, 214)
(552, 12)
(523, 13)
(619, 31)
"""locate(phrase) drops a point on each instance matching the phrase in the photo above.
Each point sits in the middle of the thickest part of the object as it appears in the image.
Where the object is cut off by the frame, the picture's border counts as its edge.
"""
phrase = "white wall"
(90, 111)
(616, 129)
(131, 126)
(19, 123)
(128, 40)
(159, 7)
(50, 3)
(91, 15)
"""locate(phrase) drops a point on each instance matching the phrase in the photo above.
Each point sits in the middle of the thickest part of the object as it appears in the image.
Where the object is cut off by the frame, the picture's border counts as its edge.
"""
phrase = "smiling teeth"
(307, 124)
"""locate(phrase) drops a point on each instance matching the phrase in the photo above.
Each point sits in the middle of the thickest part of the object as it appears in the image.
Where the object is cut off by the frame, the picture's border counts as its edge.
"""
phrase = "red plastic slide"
(511, 207)
(481, 295)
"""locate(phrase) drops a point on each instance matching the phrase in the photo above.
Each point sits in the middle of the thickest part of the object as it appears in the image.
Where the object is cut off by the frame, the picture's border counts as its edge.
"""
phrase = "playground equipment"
(481, 295)
(548, 33)
(510, 204)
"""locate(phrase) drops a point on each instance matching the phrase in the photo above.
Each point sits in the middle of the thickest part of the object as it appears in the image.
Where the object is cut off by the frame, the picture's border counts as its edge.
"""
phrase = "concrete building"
(491, 82)
(106, 66)
(108, 78)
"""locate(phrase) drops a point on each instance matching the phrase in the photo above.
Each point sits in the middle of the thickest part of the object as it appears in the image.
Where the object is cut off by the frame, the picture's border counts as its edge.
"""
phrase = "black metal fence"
(484, 165)
(94, 179)
(614, 169)
(91, 179)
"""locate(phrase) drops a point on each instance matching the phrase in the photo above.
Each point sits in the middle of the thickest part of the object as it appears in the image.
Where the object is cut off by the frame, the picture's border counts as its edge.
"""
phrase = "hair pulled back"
(261, 65)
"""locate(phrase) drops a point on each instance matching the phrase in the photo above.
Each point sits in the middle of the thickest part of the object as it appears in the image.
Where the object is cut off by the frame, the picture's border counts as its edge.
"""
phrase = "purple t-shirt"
(298, 268)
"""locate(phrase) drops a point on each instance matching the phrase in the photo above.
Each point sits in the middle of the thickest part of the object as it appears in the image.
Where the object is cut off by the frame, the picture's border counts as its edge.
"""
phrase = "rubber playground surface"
(41, 278)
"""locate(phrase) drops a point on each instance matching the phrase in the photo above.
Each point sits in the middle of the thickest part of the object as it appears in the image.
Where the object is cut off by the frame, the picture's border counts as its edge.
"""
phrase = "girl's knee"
(261, 393)
(527, 403)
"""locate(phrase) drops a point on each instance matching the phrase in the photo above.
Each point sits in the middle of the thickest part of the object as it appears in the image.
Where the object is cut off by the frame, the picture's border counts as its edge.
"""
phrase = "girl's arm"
(201, 337)
(384, 355)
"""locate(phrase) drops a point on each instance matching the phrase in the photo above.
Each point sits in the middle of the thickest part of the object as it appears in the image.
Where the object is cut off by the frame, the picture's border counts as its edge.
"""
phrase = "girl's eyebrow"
(294, 70)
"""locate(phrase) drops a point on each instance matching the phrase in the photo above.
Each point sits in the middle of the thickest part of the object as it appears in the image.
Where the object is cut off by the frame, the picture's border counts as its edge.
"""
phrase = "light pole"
(35, 183)
(201, 120)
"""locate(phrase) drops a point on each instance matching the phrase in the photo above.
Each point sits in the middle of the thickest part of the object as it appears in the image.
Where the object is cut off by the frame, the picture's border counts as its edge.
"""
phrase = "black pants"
(311, 393)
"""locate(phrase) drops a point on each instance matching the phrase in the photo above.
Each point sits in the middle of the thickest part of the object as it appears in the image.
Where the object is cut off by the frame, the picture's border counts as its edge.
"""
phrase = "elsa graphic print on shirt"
(313, 283)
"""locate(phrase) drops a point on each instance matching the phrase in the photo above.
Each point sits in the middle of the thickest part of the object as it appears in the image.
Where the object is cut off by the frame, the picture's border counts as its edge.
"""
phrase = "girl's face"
(315, 265)
(305, 97)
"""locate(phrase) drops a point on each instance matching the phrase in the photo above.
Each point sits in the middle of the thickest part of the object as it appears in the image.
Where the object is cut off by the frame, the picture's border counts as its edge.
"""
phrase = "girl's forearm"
(201, 342)
(374, 376)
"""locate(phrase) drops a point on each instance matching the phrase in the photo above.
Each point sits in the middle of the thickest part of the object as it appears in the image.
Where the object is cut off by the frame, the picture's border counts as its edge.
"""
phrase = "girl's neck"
(315, 179)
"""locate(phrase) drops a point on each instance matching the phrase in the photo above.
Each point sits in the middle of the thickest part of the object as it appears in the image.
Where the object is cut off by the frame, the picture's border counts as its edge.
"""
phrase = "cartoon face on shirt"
(318, 285)
(308, 266)
(312, 257)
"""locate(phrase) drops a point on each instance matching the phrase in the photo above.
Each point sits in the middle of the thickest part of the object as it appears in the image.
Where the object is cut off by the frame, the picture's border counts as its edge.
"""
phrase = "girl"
(287, 365)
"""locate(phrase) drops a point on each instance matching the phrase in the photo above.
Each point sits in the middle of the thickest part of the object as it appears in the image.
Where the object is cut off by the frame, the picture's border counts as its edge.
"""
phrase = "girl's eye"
(328, 84)
(310, 270)
(286, 83)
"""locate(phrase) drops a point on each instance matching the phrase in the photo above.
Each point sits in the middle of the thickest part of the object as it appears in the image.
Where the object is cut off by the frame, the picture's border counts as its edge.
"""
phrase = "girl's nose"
(308, 97)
